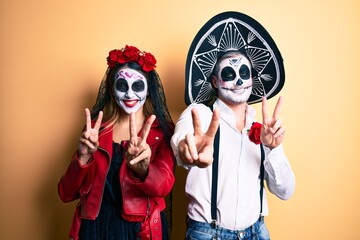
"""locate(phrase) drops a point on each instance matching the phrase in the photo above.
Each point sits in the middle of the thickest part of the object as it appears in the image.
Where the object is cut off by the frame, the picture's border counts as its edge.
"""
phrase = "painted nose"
(129, 94)
(239, 82)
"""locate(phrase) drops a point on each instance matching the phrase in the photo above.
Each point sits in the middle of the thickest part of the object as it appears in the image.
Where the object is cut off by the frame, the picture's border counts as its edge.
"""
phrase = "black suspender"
(214, 184)
(262, 175)
(215, 171)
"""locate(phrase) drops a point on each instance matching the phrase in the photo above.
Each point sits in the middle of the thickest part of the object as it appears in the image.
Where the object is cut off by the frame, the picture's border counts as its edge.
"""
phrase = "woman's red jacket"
(139, 197)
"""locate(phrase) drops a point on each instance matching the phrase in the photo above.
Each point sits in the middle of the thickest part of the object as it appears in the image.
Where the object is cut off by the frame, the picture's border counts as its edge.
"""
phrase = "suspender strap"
(215, 166)
(262, 175)
(214, 184)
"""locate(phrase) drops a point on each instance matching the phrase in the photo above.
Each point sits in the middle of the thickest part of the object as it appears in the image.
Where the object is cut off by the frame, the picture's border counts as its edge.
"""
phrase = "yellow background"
(52, 58)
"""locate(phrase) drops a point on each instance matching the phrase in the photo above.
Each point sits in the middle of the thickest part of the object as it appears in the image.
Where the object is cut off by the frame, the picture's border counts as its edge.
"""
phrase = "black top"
(109, 225)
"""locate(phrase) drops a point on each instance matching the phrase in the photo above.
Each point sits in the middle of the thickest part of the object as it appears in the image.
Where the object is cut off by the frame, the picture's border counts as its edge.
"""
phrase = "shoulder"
(155, 134)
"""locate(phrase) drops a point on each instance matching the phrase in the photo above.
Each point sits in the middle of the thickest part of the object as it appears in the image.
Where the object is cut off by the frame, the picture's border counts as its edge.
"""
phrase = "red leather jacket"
(140, 198)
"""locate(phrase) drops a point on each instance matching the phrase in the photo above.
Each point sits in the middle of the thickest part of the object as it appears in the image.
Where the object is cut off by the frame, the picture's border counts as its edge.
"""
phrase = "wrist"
(84, 158)
(139, 174)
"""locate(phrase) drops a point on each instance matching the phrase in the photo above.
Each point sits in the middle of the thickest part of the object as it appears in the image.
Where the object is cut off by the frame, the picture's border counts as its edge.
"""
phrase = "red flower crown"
(146, 60)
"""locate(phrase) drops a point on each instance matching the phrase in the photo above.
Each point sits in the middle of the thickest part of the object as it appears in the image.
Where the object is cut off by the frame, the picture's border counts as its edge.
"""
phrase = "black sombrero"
(233, 31)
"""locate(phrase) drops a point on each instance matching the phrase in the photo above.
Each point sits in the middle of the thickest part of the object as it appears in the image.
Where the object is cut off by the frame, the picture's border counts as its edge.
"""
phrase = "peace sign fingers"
(273, 130)
(90, 132)
(132, 129)
(146, 127)
(141, 142)
(214, 124)
(98, 121)
(88, 119)
(264, 111)
(196, 122)
(277, 108)
(266, 120)
(197, 148)
(145, 130)
(89, 139)
(139, 153)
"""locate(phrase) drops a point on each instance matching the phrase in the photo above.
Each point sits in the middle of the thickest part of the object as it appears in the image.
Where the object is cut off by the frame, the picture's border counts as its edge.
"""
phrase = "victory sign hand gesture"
(88, 142)
(197, 148)
(272, 132)
(139, 152)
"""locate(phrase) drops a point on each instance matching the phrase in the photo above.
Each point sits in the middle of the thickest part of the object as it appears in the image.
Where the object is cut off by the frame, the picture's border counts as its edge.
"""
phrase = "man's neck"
(239, 110)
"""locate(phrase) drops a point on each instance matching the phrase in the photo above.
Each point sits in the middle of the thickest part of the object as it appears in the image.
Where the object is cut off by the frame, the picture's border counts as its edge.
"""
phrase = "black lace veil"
(158, 107)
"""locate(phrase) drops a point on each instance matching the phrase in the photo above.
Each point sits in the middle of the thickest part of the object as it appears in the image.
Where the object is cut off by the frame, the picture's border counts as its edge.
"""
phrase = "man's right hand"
(197, 148)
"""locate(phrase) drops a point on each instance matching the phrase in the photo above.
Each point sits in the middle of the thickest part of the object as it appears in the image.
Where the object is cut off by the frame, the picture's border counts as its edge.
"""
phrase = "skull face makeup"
(233, 78)
(130, 89)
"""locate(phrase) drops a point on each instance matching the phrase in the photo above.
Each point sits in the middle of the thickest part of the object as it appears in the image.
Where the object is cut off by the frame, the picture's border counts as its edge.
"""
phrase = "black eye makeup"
(138, 86)
(122, 85)
(244, 72)
(228, 74)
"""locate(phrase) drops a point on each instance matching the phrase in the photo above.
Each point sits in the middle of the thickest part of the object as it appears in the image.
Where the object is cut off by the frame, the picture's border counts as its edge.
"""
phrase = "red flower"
(254, 133)
(120, 56)
(113, 57)
(131, 53)
(147, 62)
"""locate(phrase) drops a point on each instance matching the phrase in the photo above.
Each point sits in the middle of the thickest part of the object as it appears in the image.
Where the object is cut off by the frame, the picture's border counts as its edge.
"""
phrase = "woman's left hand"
(139, 152)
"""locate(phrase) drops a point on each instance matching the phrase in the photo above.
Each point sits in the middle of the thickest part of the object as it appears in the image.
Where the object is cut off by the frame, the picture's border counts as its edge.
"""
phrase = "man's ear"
(214, 82)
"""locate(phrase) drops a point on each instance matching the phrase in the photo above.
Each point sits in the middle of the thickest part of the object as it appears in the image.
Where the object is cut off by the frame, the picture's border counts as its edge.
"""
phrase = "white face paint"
(234, 80)
(130, 89)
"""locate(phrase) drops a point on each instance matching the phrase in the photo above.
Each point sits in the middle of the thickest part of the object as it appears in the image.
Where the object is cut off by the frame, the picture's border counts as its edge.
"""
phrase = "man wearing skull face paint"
(123, 169)
(227, 164)
(232, 78)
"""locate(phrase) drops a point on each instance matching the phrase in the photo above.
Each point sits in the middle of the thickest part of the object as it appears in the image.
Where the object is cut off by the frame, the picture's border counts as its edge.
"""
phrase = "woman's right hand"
(89, 139)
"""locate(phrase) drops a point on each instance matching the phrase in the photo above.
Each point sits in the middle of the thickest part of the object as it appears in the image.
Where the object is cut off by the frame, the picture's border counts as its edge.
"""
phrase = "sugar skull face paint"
(130, 89)
(233, 79)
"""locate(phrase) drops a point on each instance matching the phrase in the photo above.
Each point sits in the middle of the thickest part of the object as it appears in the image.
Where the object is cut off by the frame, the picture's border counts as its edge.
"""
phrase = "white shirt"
(238, 197)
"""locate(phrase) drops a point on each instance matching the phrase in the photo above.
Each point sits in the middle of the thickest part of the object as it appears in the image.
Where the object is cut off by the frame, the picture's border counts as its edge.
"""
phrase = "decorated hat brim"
(233, 31)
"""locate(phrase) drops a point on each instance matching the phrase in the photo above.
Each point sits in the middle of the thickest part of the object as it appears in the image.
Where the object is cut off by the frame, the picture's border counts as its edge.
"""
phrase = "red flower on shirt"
(254, 133)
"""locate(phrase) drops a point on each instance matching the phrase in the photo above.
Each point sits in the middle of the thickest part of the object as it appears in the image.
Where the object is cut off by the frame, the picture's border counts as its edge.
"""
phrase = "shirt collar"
(227, 115)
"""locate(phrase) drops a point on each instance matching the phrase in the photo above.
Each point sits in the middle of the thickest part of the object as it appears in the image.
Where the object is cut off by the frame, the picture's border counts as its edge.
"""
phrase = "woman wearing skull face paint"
(227, 164)
(123, 170)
